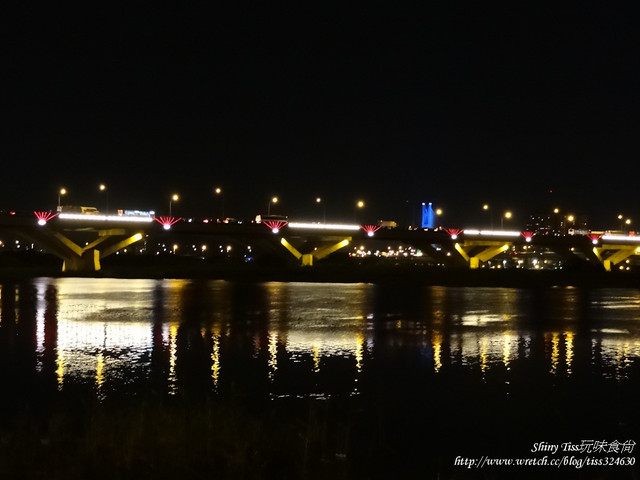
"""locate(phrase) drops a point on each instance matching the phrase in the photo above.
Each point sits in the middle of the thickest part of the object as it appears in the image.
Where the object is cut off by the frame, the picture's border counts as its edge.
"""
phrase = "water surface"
(393, 380)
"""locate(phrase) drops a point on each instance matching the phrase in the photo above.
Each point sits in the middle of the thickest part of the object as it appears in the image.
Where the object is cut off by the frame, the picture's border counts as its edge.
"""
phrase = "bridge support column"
(622, 253)
(306, 259)
(87, 259)
(483, 256)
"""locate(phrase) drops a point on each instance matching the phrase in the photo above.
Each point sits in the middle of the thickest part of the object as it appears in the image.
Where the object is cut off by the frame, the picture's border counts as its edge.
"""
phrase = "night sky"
(522, 105)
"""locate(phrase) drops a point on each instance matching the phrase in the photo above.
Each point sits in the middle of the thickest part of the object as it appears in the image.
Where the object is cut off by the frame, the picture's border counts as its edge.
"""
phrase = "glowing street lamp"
(273, 200)
(174, 198)
(219, 192)
(324, 208)
(438, 213)
(623, 222)
(61, 192)
(103, 188)
(359, 206)
(508, 215)
(486, 208)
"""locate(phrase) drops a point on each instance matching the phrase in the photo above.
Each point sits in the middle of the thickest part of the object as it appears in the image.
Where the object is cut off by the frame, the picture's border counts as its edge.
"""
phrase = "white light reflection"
(215, 356)
(568, 341)
(173, 355)
(437, 351)
(95, 316)
(100, 375)
(323, 321)
(555, 352)
(273, 354)
(506, 350)
(616, 353)
(41, 288)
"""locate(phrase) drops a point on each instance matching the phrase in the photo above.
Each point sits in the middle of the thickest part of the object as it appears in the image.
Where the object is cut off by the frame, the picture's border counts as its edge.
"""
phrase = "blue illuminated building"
(428, 215)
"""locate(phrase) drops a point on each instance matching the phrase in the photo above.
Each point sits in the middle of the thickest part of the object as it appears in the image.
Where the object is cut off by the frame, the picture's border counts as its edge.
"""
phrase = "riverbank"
(30, 265)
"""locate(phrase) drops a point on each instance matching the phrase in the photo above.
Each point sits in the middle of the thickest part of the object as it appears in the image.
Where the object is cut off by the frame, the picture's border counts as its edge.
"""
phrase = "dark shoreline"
(193, 268)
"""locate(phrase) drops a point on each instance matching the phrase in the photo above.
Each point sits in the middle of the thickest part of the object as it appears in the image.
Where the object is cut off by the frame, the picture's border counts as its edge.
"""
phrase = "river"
(166, 378)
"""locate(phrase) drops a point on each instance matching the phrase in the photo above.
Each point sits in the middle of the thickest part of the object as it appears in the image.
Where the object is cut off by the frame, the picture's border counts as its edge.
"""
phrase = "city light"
(103, 188)
(44, 217)
(528, 236)
(370, 229)
(453, 232)
(174, 198)
(275, 225)
(166, 222)
(594, 237)
(219, 193)
(273, 201)
(61, 193)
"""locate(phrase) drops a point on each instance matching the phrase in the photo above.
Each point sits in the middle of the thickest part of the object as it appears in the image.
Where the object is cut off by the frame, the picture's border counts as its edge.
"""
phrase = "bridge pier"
(89, 261)
(490, 251)
(306, 259)
(621, 253)
(87, 258)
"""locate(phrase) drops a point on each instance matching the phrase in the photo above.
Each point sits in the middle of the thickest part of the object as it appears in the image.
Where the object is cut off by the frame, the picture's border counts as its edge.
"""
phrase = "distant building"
(428, 216)
(557, 224)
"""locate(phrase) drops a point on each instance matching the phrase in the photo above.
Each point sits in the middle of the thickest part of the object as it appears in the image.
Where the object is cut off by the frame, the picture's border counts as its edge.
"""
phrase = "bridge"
(82, 241)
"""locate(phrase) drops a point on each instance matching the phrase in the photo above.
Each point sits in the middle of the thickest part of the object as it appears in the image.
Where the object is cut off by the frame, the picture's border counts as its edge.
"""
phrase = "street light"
(571, 222)
(359, 206)
(219, 192)
(103, 188)
(486, 208)
(439, 212)
(273, 200)
(623, 222)
(61, 192)
(324, 208)
(506, 215)
(174, 198)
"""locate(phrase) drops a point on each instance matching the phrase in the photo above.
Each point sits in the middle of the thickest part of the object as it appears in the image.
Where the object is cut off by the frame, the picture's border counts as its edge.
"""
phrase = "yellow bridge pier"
(307, 259)
(618, 254)
(87, 259)
(490, 250)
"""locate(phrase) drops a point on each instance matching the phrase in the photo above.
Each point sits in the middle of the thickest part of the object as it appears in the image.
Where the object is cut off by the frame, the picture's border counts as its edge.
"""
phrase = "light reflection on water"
(310, 339)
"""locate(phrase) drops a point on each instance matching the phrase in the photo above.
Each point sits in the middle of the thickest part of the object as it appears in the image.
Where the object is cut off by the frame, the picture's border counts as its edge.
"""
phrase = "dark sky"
(524, 105)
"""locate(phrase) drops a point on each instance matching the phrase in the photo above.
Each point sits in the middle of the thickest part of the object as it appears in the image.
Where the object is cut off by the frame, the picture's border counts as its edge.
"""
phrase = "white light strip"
(492, 233)
(323, 226)
(626, 238)
(104, 218)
